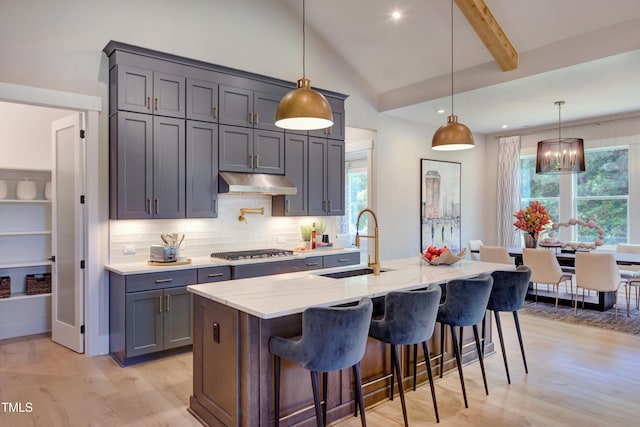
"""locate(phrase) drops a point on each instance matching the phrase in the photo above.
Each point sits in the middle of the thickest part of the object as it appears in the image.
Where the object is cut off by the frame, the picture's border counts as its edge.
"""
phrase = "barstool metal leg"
(480, 358)
(358, 384)
(458, 363)
(393, 363)
(427, 358)
(415, 364)
(276, 391)
(517, 322)
(316, 398)
(441, 348)
(394, 351)
(325, 382)
(504, 353)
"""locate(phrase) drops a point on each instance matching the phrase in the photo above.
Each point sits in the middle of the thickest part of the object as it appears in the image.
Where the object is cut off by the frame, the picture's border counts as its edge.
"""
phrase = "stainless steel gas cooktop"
(252, 254)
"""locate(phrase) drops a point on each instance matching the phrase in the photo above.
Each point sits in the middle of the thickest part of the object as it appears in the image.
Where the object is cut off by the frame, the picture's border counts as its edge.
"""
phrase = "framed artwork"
(440, 204)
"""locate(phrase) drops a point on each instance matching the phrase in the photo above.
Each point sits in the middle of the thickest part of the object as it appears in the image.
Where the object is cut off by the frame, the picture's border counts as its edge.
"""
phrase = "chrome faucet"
(376, 254)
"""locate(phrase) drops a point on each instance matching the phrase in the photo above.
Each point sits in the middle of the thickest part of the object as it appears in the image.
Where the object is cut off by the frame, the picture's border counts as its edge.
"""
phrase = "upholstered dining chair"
(598, 272)
(465, 304)
(474, 249)
(545, 269)
(498, 254)
(333, 338)
(409, 318)
(507, 294)
(630, 274)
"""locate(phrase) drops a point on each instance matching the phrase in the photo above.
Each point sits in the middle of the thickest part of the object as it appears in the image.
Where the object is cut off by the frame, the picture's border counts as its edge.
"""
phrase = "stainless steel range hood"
(255, 183)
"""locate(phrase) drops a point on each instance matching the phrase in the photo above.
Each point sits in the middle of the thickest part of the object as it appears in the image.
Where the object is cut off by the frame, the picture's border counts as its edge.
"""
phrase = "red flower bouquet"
(532, 219)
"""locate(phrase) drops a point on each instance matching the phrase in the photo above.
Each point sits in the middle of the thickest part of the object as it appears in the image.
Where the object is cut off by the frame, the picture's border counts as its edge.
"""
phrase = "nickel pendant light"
(452, 135)
(560, 155)
(304, 108)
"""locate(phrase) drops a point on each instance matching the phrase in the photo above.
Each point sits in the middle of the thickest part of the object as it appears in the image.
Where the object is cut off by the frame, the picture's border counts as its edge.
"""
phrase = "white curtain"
(508, 190)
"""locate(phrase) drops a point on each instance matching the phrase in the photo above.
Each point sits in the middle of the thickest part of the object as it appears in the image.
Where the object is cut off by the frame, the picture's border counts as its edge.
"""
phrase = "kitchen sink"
(350, 273)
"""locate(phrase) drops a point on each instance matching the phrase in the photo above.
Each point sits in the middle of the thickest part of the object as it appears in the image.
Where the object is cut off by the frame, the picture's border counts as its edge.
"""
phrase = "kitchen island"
(233, 321)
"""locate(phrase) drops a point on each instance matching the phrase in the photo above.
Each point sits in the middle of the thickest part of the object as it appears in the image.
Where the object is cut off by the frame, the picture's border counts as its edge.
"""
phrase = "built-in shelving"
(26, 264)
(25, 233)
(18, 201)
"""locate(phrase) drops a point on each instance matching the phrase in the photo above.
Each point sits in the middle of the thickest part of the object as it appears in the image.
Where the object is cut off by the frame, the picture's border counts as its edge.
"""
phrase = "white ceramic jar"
(3, 189)
(47, 190)
(26, 190)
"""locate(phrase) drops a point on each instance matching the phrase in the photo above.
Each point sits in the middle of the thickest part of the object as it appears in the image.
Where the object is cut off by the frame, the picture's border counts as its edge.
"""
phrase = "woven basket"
(5, 287)
(38, 283)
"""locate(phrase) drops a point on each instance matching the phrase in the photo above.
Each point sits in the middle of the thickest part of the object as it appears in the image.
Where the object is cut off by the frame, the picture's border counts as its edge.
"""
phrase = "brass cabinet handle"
(163, 280)
(157, 205)
(156, 103)
(288, 205)
(250, 160)
(343, 260)
(148, 103)
(149, 206)
(160, 304)
(215, 112)
(257, 161)
(257, 119)
(215, 274)
(168, 303)
(251, 118)
(215, 205)
(311, 264)
(329, 206)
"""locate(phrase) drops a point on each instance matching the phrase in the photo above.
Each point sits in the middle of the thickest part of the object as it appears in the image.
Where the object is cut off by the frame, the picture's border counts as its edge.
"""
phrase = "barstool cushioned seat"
(409, 318)
(508, 294)
(333, 338)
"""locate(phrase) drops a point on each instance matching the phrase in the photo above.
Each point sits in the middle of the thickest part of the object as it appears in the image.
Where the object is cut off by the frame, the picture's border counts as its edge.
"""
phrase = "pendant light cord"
(559, 123)
(304, 42)
(452, 57)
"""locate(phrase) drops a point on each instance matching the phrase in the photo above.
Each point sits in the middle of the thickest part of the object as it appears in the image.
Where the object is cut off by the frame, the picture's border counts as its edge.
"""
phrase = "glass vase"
(530, 241)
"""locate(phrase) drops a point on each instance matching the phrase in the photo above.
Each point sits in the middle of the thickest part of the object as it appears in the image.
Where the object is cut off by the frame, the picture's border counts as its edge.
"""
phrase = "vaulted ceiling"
(584, 52)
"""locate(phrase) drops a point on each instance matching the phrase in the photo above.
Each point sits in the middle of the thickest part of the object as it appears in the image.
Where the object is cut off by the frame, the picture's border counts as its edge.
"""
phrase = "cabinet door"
(202, 100)
(268, 152)
(202, 170)
(336, 131)
(144, 322)
(178, 321)
(168, 95)
(335, 178)
(131, 166)
(296, 152)
(317, 176)
(236, 106)
(236, 149)
(265, 106)
(168, 168)
(135, 89)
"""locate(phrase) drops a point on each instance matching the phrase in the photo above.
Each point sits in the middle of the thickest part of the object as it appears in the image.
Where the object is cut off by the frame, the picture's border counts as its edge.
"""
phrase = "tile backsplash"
(206, 235)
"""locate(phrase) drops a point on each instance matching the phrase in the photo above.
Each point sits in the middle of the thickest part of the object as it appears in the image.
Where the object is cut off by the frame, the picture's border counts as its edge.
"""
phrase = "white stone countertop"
(279, 295)
(202, 262)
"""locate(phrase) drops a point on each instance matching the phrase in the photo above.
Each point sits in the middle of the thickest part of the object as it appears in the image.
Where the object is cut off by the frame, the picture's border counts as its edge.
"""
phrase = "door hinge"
(82, 329)
(82, 199)
(82, 264)
(82, 133)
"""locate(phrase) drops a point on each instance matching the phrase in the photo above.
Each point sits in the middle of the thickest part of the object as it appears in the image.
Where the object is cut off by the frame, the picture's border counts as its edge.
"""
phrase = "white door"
(68, 228)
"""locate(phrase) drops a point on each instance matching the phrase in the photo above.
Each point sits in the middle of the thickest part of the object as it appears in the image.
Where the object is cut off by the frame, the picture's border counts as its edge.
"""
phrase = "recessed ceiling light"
(396, 15)
(440, 111)
(504, 126)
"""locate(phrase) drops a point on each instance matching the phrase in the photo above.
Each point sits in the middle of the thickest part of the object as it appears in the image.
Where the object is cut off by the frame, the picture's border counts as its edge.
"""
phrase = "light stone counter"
(279, 295)
(144, 267)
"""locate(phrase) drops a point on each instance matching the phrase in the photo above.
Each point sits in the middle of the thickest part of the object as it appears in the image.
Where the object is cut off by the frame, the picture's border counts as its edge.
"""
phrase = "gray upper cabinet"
(202, 100)
(248, 108)
(265, 107)
(202, 170)
(148, 179)
(251, 150)
(146, 91)
(296, 155)
(326, 177)
(337, 130)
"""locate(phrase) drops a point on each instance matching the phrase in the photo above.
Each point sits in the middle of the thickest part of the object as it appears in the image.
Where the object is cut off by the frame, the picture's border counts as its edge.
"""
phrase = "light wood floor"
(578, 376)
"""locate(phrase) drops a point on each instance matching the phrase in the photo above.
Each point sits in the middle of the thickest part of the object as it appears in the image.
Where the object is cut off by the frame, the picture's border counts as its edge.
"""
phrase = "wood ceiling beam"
(490, 32)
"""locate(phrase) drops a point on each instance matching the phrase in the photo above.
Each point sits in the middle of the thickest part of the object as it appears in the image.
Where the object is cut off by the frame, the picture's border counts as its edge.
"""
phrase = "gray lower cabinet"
(147, 172)
(202, 170)
(288, 266)
(339, 260)
(251, 150)
(326, 177)
(149, 314)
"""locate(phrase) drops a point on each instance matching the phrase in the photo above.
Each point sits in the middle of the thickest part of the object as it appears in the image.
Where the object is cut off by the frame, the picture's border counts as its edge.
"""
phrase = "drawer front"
(160, 280)
(266, 268)
(313, 263)
(214, 274)
(339, 260)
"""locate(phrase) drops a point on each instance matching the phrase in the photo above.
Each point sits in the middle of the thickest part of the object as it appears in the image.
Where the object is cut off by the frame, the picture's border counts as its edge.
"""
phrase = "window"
(357, 191)
(600, 194)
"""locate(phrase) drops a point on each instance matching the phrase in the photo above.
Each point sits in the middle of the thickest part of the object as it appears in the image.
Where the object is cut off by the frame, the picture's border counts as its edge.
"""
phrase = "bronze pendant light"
(560, 155)
(452, 135)
(304, 108)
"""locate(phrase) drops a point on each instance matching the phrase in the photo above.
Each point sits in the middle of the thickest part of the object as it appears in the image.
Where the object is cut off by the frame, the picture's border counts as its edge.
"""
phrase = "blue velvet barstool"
(409, 318)
(508, 293)
(333, 338)
(465, 305)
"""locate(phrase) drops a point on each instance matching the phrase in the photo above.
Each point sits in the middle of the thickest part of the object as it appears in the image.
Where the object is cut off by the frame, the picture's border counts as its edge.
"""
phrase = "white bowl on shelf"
(26, 190)
(3, 189)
